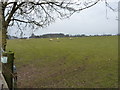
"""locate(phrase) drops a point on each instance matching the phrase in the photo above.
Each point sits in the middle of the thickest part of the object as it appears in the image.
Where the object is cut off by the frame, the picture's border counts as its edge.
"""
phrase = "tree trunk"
(3, 31)
(4, 37)
(0, 26)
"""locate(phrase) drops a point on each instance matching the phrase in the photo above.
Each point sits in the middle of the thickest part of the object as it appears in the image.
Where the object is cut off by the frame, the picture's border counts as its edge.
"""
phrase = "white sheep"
(51, 39)
(71, 38)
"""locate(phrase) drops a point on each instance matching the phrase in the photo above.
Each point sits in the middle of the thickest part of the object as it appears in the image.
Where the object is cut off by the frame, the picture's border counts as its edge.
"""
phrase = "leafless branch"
(43, 12)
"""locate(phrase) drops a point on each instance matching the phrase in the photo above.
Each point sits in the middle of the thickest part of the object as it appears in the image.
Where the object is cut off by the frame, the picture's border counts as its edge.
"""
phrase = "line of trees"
(58, 35)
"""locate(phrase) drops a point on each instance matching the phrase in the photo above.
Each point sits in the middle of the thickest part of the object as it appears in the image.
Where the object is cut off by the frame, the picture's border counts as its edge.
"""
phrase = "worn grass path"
(85, 62)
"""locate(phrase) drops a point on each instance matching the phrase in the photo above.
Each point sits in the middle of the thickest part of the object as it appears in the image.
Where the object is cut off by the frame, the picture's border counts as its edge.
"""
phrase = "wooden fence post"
(7, 69)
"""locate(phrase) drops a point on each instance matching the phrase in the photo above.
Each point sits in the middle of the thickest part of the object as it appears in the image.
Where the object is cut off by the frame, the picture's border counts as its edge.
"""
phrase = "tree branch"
(13, 11)
(88, 6)
(36, 23)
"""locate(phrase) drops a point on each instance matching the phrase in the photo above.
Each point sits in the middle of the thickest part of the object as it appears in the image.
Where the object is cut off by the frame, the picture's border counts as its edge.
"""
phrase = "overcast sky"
(89, 21)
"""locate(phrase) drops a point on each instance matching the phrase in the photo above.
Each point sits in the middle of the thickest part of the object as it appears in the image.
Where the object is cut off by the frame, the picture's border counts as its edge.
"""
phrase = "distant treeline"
(58, 35)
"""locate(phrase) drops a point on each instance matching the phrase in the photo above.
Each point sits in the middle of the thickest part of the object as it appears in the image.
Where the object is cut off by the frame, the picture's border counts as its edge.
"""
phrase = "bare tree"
(39, 13)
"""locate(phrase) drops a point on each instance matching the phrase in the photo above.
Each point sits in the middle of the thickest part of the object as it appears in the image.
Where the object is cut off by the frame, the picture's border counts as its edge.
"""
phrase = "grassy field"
(84, 62)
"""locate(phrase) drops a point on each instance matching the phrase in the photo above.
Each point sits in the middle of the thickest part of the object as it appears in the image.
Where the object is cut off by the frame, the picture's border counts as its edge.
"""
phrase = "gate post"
(7, 69)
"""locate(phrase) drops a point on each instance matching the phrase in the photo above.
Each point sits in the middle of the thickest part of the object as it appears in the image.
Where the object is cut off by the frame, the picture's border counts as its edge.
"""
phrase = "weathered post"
(7, 69)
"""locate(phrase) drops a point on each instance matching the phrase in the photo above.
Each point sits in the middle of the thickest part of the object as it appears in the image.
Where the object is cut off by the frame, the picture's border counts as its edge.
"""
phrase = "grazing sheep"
(58, 40)
(51, 39)
(71, 38)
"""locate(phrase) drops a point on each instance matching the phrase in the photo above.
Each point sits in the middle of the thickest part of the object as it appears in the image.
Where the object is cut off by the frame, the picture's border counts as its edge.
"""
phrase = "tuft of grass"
(85, 62)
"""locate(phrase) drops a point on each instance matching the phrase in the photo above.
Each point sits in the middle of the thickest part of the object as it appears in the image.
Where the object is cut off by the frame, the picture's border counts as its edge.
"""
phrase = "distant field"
(84, 62)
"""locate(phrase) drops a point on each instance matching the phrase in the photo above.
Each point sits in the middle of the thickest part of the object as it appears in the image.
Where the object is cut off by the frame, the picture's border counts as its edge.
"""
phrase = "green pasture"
(84, 62)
